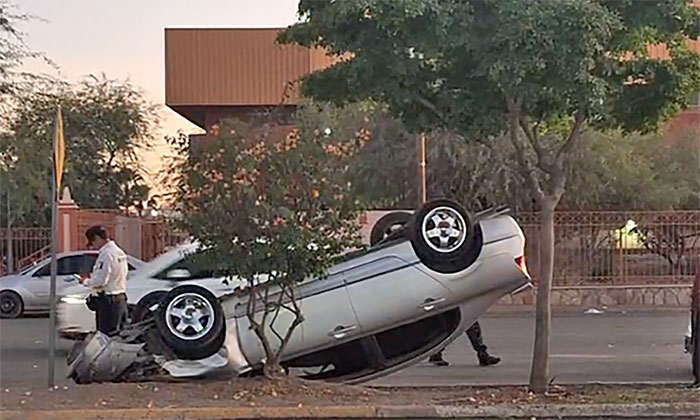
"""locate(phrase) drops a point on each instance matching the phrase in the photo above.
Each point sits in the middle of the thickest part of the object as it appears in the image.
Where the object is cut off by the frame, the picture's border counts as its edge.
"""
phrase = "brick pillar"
(67, 235)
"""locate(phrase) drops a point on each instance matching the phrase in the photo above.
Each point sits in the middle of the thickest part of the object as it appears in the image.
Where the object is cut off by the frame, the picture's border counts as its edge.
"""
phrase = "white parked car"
(144, 288)
(28, 291)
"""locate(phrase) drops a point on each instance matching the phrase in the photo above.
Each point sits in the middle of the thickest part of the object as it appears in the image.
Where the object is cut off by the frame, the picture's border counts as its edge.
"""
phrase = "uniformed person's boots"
(486, 359)
(437, 360)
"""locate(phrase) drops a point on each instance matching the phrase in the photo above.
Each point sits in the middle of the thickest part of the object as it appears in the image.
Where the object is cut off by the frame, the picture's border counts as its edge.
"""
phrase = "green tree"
(14, 52)
(539, 71)
(385, 172)
(106, 123)
(265, 208)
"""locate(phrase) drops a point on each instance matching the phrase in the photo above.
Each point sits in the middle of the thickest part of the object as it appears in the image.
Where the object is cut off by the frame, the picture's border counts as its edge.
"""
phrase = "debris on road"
(593, 311)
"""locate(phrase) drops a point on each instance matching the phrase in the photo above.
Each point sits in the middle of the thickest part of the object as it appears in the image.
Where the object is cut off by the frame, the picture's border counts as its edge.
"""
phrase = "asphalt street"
(610, 347)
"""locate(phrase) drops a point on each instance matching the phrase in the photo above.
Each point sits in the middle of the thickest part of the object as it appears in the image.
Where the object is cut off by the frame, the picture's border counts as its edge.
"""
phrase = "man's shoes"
(437, 360)
(486, 359)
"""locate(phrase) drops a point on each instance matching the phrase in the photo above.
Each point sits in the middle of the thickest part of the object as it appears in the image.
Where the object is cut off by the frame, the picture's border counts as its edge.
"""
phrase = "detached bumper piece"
(134, 355)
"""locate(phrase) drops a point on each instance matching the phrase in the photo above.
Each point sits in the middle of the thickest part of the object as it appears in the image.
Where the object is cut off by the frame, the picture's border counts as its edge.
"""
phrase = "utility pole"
(423, 184)
(10, 250)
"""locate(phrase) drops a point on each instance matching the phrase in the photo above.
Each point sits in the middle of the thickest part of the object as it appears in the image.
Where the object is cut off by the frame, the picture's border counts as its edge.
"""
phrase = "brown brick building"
(211, 74)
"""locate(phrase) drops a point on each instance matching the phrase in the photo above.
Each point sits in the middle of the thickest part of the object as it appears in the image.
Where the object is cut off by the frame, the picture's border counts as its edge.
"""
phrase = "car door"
(66, 268)
(387, 292)
(328, 321)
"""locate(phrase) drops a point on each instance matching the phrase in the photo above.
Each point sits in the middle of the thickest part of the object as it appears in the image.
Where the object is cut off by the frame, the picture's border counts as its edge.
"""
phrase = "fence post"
(68, 235)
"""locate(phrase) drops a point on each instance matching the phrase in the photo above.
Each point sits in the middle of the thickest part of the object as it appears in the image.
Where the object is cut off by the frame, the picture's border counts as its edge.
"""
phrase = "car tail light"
(520, 262)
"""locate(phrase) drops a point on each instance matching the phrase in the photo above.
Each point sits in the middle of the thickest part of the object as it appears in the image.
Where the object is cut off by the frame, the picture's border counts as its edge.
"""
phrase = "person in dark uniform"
(477, 340)
(107, 281)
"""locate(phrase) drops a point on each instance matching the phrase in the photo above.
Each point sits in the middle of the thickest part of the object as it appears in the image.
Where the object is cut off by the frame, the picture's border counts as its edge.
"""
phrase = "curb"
(554, 411)
(452, 386)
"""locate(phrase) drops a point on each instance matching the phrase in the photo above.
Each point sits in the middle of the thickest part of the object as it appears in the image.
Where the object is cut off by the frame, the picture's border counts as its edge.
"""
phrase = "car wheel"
(147, 307)
(444, 236)
(191, 322)
(388, 224)
(11, 305)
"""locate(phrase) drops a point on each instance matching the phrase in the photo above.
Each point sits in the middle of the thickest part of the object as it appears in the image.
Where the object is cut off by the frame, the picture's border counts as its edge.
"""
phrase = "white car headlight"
(73, 300)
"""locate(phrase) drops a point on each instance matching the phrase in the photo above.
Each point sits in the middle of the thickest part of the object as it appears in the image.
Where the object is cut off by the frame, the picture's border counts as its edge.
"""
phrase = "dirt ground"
(294, 392)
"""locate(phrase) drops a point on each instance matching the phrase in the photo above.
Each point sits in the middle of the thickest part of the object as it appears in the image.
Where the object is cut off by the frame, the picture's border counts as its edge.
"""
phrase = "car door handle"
(341, 331)
(430, 303)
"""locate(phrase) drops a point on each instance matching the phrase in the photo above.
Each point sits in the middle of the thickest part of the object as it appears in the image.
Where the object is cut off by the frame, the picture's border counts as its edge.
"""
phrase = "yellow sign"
(59, 150)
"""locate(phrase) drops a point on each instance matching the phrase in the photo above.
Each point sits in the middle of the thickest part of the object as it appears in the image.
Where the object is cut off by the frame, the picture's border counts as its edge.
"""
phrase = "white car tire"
(445, 237)
(191, 322)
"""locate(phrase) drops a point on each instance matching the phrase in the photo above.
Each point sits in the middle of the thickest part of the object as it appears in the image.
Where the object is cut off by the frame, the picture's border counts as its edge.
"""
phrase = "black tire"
(189, 344)
(388, 224)
(142, 310)
(458, 252)
(11, 305)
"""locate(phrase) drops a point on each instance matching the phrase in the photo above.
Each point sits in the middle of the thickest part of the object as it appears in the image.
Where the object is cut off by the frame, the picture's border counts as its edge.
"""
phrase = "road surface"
(609, 347)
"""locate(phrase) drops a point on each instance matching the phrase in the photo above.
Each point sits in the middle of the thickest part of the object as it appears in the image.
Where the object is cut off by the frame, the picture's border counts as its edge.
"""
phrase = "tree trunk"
(539, 375)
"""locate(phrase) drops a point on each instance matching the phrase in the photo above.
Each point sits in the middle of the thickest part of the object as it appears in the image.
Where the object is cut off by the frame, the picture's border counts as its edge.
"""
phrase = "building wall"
(212, 74)
(241, 67)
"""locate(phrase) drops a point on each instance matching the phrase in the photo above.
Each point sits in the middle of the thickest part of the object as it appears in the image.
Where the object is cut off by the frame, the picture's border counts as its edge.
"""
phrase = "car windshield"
(28, 269)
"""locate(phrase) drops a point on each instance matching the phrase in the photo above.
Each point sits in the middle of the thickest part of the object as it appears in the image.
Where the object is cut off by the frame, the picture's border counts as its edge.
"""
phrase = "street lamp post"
(423, 185)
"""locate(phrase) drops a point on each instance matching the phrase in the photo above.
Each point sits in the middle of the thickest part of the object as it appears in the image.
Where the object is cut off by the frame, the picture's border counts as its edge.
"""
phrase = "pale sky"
(124, 39)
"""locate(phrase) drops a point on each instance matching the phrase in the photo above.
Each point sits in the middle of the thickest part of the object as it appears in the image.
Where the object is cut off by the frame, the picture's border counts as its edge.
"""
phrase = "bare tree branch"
(574, 136)
(524, 163)
(426, 103)
(533, 138)
(278, 306)
(298, 319)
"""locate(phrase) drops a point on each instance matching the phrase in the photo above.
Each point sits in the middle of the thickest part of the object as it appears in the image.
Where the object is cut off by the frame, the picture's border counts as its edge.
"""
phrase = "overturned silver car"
(416, 289)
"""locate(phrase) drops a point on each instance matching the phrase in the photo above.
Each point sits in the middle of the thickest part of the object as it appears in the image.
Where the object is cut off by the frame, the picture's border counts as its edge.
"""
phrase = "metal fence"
(20, 247)
(591, 247)
(621, 247)
(144, 239)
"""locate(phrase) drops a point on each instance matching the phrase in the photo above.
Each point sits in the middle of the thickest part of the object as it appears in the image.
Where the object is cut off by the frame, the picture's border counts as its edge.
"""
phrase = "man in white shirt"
(108, 281)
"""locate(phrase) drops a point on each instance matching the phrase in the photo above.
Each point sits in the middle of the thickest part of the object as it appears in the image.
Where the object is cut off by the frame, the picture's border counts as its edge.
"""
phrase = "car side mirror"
(178, 273)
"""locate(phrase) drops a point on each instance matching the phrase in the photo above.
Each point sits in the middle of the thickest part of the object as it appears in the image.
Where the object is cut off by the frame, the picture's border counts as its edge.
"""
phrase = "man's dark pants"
(110, 313)
(475, 337)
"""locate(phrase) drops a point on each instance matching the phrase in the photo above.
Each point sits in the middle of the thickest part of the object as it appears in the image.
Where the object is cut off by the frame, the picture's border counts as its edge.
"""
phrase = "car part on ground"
(102, 359)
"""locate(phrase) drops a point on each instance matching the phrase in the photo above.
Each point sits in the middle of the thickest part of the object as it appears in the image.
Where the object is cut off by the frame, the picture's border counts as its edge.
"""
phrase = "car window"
(186, 269)
(88, 263)
(43, 271)
(65, 266)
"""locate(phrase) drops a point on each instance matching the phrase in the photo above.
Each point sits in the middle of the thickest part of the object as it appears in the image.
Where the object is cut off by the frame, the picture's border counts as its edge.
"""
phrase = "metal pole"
(52, 293)
(422, 165)
(10, 250)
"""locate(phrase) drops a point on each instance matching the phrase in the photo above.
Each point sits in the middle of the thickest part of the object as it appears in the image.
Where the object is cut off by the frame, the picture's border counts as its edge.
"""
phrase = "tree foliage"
(616, 171)
(106, 123)
(13, 52)
(270, 208)
(538, 71)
